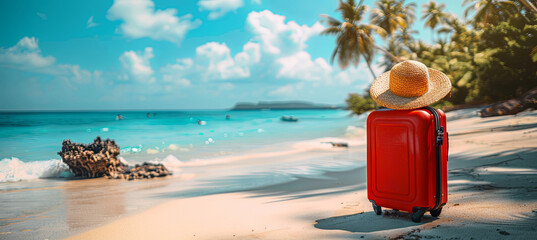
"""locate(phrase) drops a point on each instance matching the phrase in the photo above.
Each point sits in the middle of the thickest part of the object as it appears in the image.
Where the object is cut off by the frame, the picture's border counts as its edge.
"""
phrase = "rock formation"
(513, 106)
(146, 170)
(100, 158)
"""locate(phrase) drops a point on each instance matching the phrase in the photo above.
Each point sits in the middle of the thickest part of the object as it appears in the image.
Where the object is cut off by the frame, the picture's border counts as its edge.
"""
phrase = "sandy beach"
(234, 119)
(492, 194)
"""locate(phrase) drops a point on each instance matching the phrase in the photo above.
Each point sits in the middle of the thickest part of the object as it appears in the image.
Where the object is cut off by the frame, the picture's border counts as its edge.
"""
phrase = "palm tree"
(405, 35)
(408, 10)
(457, 28)
(392, 14)
(433, 14)
(394, 48)
(445, 30)
(354, 39)
(489, 11)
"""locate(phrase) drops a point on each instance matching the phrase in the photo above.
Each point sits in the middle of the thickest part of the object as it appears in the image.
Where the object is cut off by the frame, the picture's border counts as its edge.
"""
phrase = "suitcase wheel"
(436, 213)
(378, 209)
(417, 214)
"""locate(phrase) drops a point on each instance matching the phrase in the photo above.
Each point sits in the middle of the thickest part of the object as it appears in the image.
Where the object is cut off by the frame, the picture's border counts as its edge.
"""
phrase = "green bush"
(359, 104)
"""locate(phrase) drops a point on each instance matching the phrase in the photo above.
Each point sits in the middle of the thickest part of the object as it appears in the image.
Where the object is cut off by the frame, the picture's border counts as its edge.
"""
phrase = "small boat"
(289, 119)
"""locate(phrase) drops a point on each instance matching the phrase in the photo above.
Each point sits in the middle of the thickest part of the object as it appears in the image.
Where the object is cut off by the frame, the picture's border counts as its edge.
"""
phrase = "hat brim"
(439, 87)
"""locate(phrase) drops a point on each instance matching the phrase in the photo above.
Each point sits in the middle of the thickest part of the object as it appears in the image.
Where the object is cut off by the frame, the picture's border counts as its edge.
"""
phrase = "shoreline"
(79, 205)
(492, 194)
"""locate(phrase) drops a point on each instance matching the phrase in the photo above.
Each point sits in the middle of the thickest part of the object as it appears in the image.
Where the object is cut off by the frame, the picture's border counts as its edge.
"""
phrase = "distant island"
(283, 105)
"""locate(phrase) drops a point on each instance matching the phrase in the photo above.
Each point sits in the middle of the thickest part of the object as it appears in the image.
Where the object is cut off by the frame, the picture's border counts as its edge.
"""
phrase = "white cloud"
(137, 66)
(283, 41)
(175, 73)
(285, 45)
(74, 72)
(282, 91)
(276, 36)
(140, 19)
(216, 62)
(352, 75)
(300, 66)
(213, 61)
(26, 55)
(219, 8)
(183, 82)
(91, 23)
(250, 54)
(288, 90)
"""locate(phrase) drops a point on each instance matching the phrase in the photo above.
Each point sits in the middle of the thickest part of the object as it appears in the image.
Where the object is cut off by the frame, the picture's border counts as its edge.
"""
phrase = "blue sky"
(163, 54)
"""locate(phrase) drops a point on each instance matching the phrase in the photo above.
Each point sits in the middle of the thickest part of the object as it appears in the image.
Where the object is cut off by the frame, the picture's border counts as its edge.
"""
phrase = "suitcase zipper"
(438, 144)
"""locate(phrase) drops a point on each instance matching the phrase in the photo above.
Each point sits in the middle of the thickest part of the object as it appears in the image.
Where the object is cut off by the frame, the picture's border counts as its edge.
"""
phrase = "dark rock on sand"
(337, 144)
(92, 160)
(513, 106)
(100, 158)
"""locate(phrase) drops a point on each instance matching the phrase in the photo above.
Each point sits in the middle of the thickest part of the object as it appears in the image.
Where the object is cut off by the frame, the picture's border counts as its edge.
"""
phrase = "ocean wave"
(175, 147)
(156, 149)
(136, 149)
(353, 131)
(13, 169)
(317, 144)
(152, 150)
(358, 129)
(170, 162)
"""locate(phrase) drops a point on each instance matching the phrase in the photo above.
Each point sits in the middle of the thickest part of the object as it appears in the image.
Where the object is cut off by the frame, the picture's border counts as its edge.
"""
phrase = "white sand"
(492, 195)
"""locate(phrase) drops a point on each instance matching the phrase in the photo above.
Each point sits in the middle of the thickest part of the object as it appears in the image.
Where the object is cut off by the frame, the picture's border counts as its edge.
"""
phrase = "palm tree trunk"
(529, 5)
(371, 70)
(393, 57)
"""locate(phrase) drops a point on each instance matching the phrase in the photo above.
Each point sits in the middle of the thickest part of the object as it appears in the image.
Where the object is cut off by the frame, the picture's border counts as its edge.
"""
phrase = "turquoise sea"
(29, 141)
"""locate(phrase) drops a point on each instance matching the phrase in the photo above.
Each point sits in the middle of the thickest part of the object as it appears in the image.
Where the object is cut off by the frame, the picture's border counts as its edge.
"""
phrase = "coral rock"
(100, 158)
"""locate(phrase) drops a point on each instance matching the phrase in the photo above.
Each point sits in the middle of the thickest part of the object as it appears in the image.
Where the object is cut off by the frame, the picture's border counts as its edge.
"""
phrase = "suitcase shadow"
(370, 222)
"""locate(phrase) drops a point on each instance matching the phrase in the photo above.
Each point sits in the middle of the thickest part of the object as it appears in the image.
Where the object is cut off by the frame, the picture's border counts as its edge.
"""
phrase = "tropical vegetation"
(489, 54)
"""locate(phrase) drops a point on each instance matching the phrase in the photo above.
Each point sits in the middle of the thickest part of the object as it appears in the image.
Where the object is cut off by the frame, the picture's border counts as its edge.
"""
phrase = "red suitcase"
(407, 153)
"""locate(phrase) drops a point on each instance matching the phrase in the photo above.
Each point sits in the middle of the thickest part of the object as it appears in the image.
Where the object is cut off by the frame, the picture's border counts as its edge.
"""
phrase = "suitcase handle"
(439, 142)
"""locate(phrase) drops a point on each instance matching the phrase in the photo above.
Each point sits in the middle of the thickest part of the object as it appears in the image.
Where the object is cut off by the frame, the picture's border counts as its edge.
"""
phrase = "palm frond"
(347, 11)
(331, 31)
(330, 21)
(445, 29)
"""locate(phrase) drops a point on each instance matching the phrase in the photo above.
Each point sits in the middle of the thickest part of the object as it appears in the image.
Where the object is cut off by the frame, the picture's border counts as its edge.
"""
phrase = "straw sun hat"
(410, 84)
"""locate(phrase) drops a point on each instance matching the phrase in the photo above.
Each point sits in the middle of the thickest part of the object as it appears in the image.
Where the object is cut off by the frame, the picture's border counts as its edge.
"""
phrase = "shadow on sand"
(497, 129)
(331, 182)
(369, 222)
(303, 187)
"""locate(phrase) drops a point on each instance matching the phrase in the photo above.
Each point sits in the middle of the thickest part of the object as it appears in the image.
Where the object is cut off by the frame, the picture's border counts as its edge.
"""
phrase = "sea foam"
(171, 162)
(13, 169)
